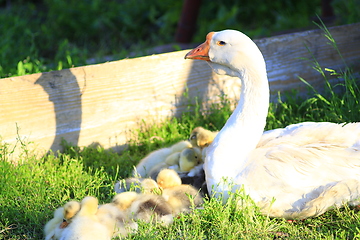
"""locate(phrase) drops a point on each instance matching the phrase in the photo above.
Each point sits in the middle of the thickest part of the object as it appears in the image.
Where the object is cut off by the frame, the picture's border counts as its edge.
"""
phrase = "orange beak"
(201, 52)
(64, 224)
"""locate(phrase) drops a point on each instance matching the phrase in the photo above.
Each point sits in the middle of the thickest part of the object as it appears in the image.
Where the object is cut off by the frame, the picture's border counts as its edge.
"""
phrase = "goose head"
(189, 158)
(89, 206)
(168, 178)
(228, 52)
(70, 209)
(201, 137)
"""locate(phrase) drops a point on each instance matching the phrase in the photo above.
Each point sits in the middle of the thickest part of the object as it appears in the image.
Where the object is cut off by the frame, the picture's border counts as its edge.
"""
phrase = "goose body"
(85, 224)
(124, 200)
(115, 220)
(145, 185)
(62, 218)
(181, 197)
(146, 207)
(296, 172)
(151, 208)
(184, 162)
(158, 157)
(54, 225)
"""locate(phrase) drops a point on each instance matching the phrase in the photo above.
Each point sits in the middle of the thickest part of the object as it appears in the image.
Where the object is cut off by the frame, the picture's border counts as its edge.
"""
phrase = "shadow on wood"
(64, 92)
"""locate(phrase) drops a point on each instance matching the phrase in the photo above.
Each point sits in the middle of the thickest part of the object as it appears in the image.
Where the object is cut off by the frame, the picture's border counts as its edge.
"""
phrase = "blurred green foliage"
(43, 35)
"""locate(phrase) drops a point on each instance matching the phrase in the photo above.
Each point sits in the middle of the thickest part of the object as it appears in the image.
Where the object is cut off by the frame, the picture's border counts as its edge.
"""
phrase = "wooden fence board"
(101, 103)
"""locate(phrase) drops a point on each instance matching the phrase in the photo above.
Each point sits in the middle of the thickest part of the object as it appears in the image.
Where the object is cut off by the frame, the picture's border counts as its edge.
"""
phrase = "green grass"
(32, 189)
(36, 186)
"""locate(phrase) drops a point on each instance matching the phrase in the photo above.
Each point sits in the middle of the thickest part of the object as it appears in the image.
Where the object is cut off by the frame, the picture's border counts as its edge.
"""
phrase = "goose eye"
(220, 43)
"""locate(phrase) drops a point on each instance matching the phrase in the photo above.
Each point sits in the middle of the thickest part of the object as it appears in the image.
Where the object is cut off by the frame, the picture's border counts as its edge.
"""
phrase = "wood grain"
(102, 103)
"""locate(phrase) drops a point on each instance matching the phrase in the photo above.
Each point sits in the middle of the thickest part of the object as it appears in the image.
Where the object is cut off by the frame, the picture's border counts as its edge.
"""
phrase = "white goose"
(296, 172)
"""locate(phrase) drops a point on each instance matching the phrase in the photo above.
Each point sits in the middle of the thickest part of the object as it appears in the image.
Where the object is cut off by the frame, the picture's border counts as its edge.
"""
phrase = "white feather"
(307, 167)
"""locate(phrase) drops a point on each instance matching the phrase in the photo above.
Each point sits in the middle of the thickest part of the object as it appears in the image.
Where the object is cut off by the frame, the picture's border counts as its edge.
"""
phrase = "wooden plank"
(290, 56)
(102, 103)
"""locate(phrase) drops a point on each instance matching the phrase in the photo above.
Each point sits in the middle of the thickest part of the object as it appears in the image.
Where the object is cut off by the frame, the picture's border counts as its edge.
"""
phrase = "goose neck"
(230, 150)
